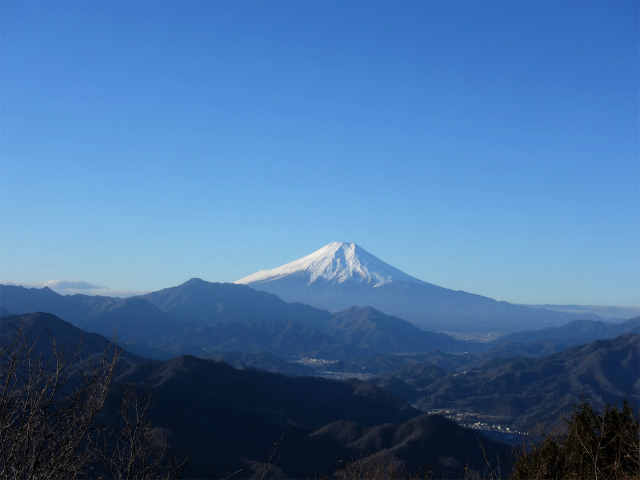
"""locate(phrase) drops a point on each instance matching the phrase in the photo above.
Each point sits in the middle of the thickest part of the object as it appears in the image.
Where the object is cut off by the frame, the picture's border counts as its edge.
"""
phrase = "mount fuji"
(336, 263)
(341, 275)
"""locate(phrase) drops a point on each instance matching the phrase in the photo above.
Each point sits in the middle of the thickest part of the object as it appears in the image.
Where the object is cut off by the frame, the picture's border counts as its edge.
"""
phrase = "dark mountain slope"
(42, 327)
(261, 360)
(527, 391)
(420, 375)
(396, 386)
(311, 400)
(422, 443)
(223, 415)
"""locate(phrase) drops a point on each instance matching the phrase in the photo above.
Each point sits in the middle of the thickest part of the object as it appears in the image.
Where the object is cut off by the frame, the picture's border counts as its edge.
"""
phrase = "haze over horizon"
(146, 143)
(334, 263)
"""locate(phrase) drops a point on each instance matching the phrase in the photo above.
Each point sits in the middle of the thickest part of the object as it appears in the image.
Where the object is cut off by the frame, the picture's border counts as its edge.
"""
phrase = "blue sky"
(491, 147)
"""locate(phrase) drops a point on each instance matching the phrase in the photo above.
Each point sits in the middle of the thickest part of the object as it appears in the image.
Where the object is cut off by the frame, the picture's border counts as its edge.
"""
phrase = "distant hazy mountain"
(200, 317)
(608, 312)
(207, 303)
(138, 324)
(135, 318)
(540, 343)
(341, 275)
(234, 317)
(76, 309)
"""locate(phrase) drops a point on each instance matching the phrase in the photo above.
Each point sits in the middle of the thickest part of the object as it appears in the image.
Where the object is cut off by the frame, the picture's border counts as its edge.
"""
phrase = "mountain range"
(199, 317)
(532, 344)
(226, 418)
(539, 343)
(341, 275)
(257, 330)
(236, 368)
(222, 414)
(526, 392)
(205, 319)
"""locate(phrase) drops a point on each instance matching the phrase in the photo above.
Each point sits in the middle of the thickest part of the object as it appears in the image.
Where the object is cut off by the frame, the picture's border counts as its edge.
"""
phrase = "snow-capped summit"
(342, 275)
(336, 262)
(338, 276)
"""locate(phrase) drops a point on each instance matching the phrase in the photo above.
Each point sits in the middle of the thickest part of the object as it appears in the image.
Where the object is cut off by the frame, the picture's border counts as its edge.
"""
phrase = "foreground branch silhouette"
(50, 397)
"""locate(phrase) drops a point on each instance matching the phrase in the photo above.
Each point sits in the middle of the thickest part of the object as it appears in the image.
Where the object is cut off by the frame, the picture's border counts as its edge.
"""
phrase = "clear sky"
(491, 147)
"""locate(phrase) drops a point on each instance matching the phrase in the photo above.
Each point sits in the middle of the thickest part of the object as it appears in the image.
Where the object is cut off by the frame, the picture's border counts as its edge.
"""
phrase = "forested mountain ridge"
(199, 317)
(226, 418)
(525, 392)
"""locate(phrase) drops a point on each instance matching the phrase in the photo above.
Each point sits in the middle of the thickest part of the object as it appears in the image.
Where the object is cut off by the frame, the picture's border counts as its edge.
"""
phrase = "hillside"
(227, 417)
(42, 327)
(221, 414)
(524, 392)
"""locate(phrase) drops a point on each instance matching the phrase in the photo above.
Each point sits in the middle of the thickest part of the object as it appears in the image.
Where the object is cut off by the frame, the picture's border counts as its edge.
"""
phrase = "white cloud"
(73, 287)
